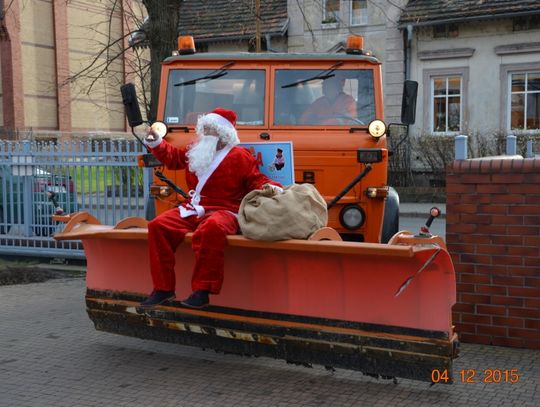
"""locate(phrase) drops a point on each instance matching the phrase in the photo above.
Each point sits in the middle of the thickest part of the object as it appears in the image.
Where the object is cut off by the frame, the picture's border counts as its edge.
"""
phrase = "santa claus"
(219, 174)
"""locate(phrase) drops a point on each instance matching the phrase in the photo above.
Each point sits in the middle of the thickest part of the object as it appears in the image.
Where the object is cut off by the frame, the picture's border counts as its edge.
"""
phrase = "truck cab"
(282, 97)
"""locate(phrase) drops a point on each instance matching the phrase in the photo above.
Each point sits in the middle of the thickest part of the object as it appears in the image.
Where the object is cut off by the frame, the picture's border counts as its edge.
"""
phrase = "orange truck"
(287, 97)
(358, 295)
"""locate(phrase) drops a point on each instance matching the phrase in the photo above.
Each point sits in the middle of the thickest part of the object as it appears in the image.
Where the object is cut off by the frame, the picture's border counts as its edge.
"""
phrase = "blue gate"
(38, 179)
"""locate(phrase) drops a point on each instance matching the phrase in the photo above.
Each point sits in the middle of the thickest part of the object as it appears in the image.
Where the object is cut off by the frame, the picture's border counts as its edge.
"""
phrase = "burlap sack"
(295, 214)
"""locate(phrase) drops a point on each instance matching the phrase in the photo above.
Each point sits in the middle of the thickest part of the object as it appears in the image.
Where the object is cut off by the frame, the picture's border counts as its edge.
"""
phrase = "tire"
(391, 216)
(150, 209)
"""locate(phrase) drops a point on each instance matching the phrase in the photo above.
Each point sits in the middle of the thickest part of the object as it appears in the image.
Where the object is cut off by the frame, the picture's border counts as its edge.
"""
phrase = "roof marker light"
(186, 45)
(355, 44)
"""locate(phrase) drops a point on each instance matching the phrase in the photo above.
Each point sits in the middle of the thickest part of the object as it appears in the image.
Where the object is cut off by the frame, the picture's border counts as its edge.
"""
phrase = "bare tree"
(162, 36)
(158, 32)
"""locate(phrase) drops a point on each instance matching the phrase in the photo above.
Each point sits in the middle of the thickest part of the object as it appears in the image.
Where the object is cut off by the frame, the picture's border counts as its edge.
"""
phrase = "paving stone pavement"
(50, 355)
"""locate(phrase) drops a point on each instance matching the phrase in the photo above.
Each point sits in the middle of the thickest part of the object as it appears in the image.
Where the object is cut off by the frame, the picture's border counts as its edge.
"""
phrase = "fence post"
(511, 144)
(149, 205)
(530, 152)
(461, 147)
(26, 169)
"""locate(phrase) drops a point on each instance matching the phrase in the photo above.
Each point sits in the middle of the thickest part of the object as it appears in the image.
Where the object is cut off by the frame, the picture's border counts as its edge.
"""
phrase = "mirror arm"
(184, 128)
(140, 141)
(400, 141)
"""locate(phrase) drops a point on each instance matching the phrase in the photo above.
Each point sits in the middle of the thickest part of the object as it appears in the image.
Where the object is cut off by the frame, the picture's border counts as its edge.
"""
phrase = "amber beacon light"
(186, 45)
(355, 44)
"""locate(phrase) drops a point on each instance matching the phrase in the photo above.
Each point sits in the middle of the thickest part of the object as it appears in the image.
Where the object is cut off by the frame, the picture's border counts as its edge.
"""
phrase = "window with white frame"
(331, 12)
(446, 103)
(524, 100)
(359, 12)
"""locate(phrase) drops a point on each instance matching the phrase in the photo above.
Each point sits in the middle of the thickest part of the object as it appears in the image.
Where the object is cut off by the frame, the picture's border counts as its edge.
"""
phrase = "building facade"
(478, 66)
(57, 74)
(63, 62)
(477, 63)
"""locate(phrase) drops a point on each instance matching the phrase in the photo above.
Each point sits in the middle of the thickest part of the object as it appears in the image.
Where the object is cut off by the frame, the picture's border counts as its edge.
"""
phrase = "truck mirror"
(131, 105)
(397, 131)
(408, 102)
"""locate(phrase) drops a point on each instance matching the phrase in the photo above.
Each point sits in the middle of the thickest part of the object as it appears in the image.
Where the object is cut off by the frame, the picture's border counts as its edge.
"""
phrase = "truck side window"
(344, 98)
(240, 90)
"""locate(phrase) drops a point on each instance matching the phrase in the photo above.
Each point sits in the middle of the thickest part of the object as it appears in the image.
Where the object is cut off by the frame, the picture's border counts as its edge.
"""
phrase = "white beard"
(201, 155)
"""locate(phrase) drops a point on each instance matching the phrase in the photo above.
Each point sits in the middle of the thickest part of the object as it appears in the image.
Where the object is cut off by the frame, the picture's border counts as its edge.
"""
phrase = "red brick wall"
(493, 235)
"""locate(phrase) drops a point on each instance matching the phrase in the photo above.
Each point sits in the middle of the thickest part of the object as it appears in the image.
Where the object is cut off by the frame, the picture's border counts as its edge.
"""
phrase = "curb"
(61, 267)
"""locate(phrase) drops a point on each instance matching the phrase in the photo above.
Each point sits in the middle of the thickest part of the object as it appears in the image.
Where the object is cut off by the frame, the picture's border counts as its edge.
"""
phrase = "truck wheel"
(150, 209)
(391, 216)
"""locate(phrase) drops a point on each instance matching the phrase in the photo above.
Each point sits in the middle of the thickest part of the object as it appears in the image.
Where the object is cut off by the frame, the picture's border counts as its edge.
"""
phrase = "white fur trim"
(218, 119)
(225, 128)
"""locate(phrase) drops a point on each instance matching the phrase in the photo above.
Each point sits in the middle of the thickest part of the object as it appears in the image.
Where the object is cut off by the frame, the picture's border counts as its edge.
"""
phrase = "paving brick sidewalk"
(50, 355)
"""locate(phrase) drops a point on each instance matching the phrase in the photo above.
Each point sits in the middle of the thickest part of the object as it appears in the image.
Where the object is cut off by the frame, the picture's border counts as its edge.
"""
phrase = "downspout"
(408, 57)
(408, 45)
(268, 39)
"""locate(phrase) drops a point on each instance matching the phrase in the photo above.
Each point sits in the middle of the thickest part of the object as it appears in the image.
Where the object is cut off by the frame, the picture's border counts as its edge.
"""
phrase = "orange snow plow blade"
(383, 309)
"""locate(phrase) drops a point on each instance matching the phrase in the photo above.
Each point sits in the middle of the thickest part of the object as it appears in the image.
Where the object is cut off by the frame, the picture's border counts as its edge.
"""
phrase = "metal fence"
(39, 178)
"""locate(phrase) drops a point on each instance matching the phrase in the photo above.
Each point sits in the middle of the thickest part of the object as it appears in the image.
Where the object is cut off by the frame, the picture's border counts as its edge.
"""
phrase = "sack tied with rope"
(294, 214)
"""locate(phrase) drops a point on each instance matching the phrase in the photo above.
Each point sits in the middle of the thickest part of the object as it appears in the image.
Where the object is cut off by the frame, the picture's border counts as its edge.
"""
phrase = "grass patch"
(92, 179)
(26, 271)
(101, 179)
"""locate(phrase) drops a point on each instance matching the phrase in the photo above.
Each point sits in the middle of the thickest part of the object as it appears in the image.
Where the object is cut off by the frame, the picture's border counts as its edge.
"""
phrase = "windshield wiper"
(218, 73)
(327, 73)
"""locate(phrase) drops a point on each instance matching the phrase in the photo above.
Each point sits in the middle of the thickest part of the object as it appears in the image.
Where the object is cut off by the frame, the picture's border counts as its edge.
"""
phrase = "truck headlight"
(376, 129)
(352, 217)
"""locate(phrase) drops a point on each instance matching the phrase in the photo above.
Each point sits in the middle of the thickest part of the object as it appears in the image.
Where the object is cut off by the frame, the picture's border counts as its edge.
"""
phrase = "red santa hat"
(223, 121)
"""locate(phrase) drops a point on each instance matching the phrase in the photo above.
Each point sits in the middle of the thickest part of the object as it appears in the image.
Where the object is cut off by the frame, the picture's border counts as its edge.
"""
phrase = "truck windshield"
(238, 90)
(343, 97)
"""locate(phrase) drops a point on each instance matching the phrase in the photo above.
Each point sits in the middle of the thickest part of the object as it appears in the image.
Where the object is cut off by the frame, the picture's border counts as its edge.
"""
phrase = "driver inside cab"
(333, 107)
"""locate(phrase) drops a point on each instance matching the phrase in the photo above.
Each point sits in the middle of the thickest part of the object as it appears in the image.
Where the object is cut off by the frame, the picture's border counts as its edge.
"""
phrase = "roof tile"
(425, 12)
(225, 19)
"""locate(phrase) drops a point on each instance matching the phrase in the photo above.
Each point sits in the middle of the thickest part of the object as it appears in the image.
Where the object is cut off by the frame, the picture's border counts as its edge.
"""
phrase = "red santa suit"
(210, 213)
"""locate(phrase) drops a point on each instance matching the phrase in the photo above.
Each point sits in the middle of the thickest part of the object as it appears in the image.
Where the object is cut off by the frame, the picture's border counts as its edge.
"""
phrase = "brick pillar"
(63, 95)
(493, 235)
(12, 81)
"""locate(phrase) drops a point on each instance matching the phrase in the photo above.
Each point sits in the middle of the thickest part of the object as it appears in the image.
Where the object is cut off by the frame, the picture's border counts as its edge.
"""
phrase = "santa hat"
(223, 121)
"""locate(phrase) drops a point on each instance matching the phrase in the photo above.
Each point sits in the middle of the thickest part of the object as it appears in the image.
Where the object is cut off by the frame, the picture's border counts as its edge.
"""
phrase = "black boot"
(157, 297)
(197, 299)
